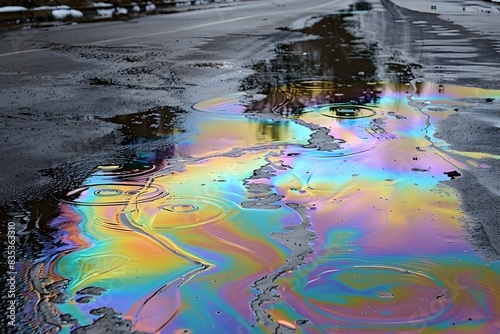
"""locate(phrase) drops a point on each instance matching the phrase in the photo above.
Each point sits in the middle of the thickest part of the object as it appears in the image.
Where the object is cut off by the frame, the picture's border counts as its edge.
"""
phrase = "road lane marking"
(21, 52)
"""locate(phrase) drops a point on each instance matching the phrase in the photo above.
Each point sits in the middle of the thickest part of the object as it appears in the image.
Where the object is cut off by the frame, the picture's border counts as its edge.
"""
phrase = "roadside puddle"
(316, 205)
(355, 236)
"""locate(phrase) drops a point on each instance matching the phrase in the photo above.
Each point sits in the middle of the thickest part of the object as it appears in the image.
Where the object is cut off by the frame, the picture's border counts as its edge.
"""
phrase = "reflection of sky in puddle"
(221, 134)
(176, 251)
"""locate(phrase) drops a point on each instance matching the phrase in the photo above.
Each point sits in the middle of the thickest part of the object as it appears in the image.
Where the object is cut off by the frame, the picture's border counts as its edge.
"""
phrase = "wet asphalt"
(66, 91)
(58, 84)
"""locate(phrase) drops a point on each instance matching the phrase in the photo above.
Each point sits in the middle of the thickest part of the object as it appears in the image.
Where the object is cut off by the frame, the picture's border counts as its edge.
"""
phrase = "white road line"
(21, 52)
(159, 33)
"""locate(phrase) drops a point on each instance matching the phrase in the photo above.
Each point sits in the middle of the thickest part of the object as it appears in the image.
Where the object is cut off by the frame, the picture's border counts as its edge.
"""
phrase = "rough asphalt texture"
(53, 101)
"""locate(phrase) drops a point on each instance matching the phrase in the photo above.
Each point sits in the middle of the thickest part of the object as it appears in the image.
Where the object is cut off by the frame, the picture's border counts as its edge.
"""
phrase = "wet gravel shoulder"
(452, 50)
(470, 129)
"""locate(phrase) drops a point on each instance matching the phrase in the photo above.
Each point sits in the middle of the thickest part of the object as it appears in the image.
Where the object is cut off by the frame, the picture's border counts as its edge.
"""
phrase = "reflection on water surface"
(367, 236)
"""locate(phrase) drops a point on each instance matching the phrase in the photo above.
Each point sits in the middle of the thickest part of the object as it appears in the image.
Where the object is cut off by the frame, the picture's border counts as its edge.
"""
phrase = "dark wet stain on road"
(151, 124)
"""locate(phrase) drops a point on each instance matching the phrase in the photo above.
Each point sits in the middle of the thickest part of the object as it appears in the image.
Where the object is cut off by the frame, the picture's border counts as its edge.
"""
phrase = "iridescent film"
(259, 227)
(319, 196)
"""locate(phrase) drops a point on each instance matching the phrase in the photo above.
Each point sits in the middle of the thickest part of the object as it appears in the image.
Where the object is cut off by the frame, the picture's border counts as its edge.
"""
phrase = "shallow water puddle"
(318, 205)
(270, 233)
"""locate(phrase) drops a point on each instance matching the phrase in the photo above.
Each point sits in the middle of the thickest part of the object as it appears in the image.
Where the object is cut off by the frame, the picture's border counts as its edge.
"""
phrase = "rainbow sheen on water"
(178, 253)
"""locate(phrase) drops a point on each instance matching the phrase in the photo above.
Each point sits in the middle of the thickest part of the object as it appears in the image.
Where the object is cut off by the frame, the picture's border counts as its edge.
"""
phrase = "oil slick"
(314, 206)
(348, 238)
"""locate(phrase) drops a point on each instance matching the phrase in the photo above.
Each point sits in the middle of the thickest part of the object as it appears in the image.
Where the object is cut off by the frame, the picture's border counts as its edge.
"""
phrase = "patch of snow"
(102, 4)
(121, 11)
(12, 9)
(150, 7)
(60, 14)
(51, 7)
(105, 12)
(136, 9)
(305, 22)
